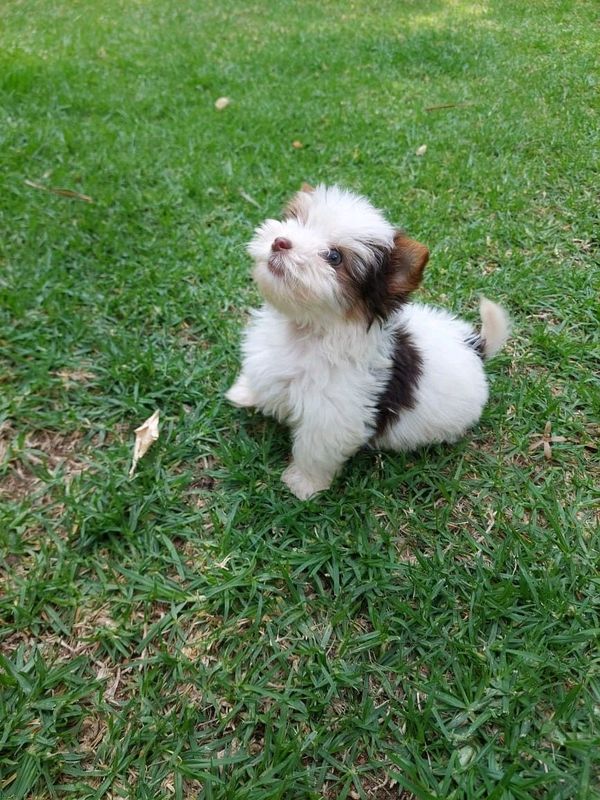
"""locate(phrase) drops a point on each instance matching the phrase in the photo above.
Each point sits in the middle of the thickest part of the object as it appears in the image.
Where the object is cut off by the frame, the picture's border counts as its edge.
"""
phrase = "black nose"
(281, 244)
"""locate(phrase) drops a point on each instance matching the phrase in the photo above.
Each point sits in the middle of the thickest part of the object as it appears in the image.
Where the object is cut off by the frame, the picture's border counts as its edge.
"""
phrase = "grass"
(428, 628)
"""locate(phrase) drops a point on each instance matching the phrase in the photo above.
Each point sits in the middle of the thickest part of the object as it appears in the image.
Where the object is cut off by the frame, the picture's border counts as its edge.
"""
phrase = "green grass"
(428, 628)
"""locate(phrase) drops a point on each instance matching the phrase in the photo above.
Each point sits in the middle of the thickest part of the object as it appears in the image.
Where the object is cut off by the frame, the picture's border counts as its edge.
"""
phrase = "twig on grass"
(61, 192)
(448, 105)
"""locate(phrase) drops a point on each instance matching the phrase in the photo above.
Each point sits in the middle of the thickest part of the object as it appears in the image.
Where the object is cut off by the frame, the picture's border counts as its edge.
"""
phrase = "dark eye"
(333, 257)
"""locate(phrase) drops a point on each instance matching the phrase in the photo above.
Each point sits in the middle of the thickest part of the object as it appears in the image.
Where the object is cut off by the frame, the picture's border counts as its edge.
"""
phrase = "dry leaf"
(69, 376)
(145, 435)
(110, 691)
(546, 441)
(420, 151)
(297, 144)
(103, 673)
(222, 103)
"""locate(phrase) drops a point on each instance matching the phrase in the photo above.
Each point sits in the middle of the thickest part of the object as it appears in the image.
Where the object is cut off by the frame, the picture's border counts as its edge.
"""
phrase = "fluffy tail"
(495, 327)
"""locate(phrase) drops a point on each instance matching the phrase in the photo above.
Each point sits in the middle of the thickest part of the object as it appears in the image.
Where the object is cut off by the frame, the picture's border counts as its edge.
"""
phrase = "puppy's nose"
(280, 243)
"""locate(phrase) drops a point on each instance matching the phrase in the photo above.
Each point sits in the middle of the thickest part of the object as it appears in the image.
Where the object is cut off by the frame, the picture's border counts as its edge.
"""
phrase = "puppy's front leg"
(241, 394)
(319, 452)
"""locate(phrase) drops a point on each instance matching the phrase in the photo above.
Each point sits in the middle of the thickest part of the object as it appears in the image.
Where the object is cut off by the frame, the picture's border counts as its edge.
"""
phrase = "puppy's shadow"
(255, 457)
(404, 474)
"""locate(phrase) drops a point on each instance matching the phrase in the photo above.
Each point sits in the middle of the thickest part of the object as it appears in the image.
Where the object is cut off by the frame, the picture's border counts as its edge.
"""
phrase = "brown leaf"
(547, 441)
(145, 436)
(297, 144)
(110, 691)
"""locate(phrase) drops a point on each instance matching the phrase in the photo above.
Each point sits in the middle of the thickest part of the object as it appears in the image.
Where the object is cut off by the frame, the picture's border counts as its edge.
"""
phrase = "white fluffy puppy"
(336, 351)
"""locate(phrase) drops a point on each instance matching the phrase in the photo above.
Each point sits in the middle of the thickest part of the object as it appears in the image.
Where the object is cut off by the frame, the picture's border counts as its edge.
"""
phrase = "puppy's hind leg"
(241, 394)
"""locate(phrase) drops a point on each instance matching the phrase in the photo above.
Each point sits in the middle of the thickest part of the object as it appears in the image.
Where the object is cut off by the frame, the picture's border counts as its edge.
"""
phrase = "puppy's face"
(334, 256)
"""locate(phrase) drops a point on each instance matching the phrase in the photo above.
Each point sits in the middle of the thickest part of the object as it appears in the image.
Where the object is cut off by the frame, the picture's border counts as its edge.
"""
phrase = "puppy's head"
(334, 256)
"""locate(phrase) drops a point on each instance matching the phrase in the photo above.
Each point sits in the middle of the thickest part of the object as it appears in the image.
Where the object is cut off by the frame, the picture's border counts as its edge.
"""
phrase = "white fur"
(311, 366)
(309, 292)
(452, 390)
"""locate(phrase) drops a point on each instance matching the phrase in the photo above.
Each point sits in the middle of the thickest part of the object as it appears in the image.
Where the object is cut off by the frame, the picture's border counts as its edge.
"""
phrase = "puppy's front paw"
(302, 485)
(240, 394)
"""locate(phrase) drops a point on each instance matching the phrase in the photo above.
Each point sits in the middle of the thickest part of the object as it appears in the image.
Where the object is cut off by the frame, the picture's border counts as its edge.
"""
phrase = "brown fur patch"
(408, 260)
(376, 288)
(399, 393)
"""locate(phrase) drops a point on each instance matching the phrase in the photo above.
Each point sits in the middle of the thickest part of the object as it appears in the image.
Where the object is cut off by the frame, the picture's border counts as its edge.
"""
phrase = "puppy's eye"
(333, 257)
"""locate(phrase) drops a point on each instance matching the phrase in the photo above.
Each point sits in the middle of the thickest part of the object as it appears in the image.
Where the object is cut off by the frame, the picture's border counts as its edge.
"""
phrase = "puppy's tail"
(495, 327)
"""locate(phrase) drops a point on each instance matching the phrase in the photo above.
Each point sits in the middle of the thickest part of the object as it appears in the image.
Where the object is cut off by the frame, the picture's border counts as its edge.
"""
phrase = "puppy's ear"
(407, 262)
(297, 206)
(399, 272)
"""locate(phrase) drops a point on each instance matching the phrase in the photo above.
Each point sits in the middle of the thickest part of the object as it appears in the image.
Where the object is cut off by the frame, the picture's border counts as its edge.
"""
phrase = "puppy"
(338, 353)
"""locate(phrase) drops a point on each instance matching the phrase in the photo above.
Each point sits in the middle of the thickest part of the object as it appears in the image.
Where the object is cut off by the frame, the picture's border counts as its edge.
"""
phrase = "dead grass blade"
(442, 106)
(61, 192)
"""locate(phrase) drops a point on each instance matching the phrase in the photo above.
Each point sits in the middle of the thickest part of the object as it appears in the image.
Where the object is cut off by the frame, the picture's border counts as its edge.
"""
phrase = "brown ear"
(306, 187)
(407, 262)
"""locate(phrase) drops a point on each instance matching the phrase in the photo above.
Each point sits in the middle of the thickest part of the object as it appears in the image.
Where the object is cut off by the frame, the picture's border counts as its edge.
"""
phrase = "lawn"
(429, 627)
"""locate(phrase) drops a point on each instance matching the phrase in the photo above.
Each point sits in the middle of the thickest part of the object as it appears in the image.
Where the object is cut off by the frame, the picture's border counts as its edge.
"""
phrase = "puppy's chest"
(297, 365)
(301, 373)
